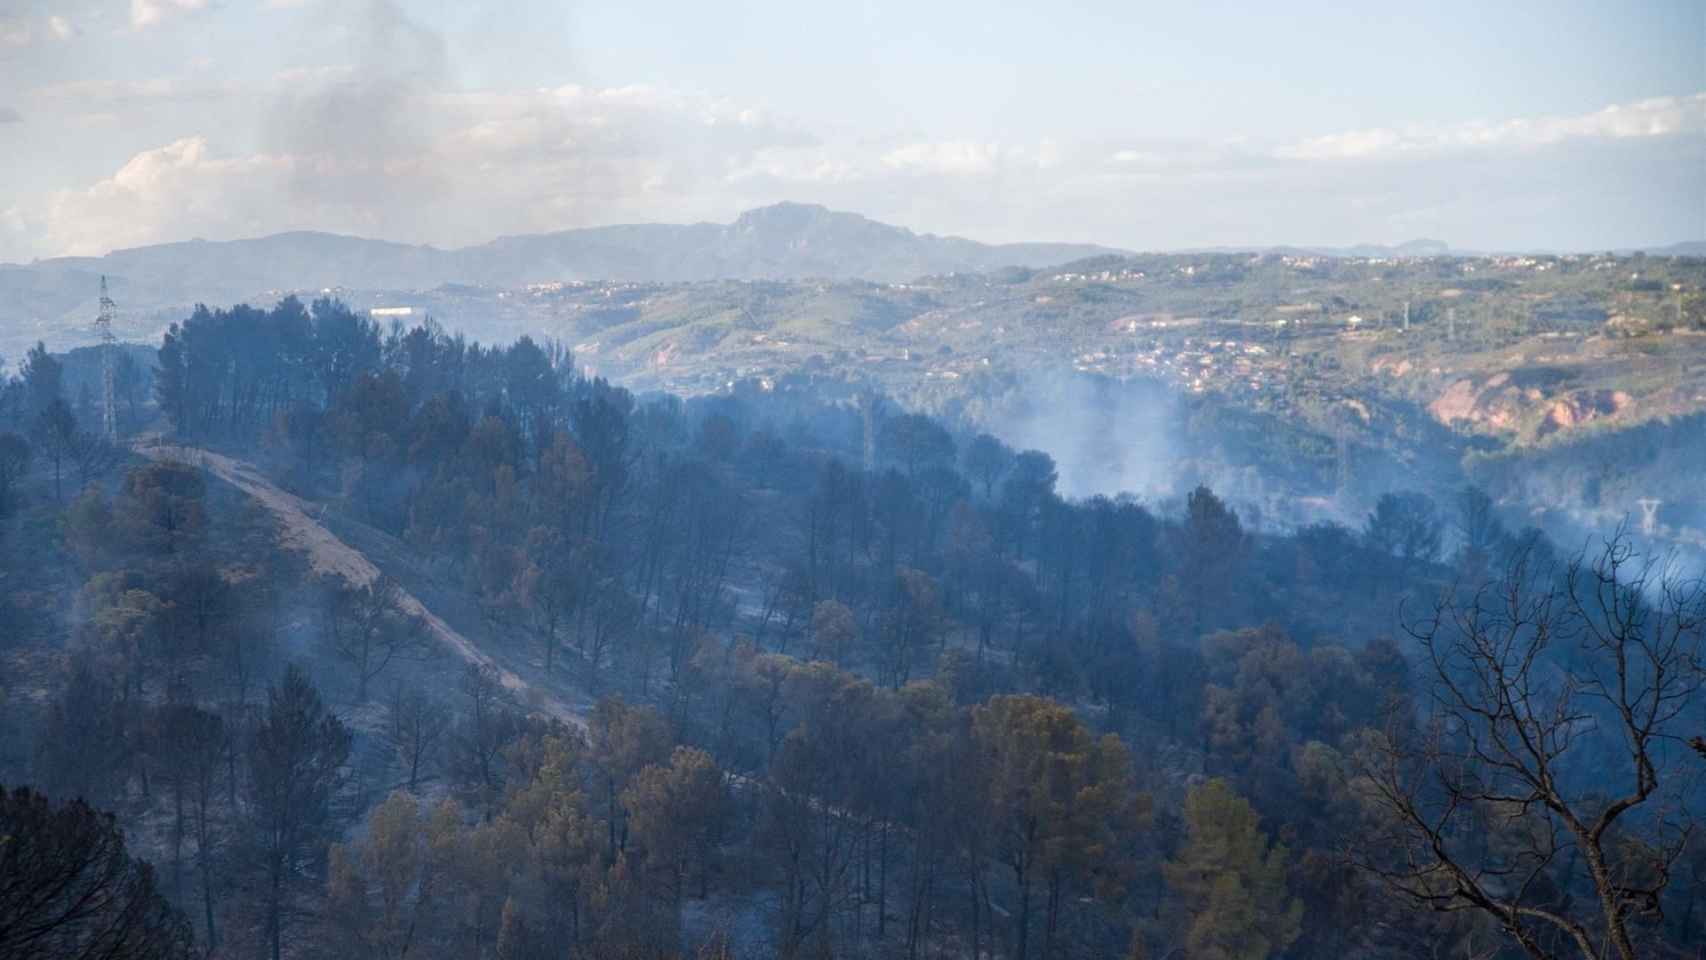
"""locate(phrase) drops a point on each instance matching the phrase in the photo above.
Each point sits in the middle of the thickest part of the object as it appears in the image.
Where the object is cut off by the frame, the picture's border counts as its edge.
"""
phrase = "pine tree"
(69, 888)
(1058, 801)
(296, 762)
(1229, 883)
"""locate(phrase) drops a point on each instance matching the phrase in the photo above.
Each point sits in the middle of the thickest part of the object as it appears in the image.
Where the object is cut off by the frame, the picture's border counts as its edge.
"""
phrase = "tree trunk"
(1616, 930)
(204, 862)
(1021, 919)
(883, 881)
(273, 932)
(178, 839)
(610, 785)
(1053, 912)
(231, 772)
(207, 907)
(976, 921)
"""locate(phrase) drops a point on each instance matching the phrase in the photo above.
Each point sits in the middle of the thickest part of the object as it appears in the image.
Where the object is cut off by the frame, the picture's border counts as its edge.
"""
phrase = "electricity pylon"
(104, 325)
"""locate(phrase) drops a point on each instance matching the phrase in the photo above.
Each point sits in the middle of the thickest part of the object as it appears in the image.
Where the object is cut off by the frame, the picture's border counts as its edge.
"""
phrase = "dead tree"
(1543, 783)
(368, 627)
(417, 725)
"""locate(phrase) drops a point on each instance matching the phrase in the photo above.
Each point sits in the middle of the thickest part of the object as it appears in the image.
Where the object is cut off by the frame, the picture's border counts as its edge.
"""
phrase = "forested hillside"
(380, 642)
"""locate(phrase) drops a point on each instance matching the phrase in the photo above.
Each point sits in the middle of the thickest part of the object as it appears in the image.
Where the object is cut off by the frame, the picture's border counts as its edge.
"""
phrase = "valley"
(1336, 386)
(1314, 383)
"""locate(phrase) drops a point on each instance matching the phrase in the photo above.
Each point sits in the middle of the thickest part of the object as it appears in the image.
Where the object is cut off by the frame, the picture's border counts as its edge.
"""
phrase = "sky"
(1518, 125)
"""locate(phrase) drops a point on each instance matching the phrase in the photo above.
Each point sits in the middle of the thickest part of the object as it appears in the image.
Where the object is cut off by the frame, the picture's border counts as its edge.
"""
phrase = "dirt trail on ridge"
(299, 531)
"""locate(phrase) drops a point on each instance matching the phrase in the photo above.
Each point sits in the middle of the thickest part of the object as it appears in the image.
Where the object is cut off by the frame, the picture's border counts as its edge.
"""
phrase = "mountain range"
(780, 242)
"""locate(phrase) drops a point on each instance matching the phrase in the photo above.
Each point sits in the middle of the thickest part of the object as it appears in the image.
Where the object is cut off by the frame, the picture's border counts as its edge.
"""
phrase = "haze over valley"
(1052, 346)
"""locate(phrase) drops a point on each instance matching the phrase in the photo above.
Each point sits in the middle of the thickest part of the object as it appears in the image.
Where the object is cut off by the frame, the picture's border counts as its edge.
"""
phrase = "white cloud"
(181, 186)
(148, 13)
(796, 165)
(951, 157)
(1658, 117)
(60, 27)
(806, 161)
(443, 168)
(1171, 156)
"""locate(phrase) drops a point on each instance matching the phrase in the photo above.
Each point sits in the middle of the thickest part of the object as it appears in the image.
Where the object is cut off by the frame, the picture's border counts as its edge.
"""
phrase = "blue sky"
(1152, 126)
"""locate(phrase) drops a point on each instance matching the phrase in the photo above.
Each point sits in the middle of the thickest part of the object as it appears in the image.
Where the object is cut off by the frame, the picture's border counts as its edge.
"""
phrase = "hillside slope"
(327, 554)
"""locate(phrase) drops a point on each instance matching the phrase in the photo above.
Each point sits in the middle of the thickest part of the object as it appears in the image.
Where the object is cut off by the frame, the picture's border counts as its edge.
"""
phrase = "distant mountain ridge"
(1422, 247)
(1687, 248)
(1419, 247)
(785, 241)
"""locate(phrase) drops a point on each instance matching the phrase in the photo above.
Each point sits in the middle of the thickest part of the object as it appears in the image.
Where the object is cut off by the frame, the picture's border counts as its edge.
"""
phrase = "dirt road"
(299, 531)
